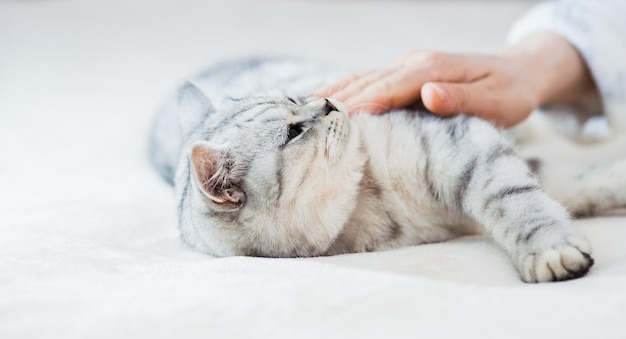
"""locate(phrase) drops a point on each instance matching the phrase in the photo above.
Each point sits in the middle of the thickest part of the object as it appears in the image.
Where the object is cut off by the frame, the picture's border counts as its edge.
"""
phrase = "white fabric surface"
(89, 246)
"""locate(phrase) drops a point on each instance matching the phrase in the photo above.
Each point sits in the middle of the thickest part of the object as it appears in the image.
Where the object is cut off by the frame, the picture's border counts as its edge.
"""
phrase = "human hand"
(504, 88)
(491, 87)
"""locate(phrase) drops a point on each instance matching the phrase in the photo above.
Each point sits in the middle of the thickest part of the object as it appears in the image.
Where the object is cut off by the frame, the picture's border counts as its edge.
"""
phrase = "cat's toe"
(581, 243)
(527, 270)
(563, 263)
(567, 261)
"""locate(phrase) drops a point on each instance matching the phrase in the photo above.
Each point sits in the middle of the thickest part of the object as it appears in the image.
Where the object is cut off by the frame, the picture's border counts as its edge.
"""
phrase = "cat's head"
(269, 175)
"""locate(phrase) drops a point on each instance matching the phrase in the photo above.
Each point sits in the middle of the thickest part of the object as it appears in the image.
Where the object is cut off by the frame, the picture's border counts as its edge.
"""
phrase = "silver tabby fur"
(261, 168)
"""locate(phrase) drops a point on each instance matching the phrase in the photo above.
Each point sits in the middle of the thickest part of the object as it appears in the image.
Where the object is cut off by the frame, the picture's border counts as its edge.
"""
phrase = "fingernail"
(441, 93)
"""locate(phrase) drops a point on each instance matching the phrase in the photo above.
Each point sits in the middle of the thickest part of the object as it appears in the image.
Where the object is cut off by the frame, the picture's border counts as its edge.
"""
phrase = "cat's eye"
(292, 100)
(294, 131)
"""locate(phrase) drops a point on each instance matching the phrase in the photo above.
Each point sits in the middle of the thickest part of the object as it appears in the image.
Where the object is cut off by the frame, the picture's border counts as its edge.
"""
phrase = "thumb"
(450, 98)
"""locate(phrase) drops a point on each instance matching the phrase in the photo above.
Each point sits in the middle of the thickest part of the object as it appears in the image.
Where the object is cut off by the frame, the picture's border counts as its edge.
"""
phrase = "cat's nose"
(329, 107)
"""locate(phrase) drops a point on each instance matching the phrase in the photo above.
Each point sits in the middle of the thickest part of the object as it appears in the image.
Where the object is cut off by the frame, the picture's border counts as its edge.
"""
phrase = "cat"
(262, 168)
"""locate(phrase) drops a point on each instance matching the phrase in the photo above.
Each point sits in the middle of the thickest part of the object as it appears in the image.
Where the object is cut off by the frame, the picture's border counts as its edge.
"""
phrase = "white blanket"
(89, 246)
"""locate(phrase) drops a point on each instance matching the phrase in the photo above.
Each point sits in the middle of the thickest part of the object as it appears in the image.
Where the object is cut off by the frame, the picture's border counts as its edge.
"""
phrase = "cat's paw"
(568, 260)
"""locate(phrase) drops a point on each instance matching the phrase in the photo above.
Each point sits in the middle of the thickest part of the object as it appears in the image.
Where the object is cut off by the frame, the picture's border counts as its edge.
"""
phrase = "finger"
(331, 89)
(385, 94)
(450, 98)
(361, 84)
(403, 86)
(344, 84)
(435, 98)
(370, 107)
(417, 66)
(398, 89)
(328, 90)
(471, 98)
(444, 67)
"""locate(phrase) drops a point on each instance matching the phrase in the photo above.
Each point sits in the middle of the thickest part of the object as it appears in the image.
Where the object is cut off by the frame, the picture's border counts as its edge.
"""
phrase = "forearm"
(557, 70)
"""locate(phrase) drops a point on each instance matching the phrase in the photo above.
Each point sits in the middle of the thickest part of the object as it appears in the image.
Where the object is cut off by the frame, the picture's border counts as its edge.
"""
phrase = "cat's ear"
(193, 107)
(213, 172)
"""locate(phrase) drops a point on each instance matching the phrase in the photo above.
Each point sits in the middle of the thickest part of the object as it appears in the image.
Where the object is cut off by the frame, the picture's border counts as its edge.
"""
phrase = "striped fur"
(278, 173)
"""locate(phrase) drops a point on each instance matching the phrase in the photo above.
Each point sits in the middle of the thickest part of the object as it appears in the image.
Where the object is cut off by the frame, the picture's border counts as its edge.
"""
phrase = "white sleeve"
(598, 30)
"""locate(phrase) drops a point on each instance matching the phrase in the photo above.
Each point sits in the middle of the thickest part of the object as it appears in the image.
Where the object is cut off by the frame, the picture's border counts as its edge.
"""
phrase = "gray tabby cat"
(261, 168)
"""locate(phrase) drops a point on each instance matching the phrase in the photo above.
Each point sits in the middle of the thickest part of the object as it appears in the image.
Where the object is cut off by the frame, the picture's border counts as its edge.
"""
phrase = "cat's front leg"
(486, 180)
(534, 229)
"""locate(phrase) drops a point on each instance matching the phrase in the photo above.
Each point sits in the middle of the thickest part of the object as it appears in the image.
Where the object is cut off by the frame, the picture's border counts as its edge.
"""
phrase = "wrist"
(555, 70)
